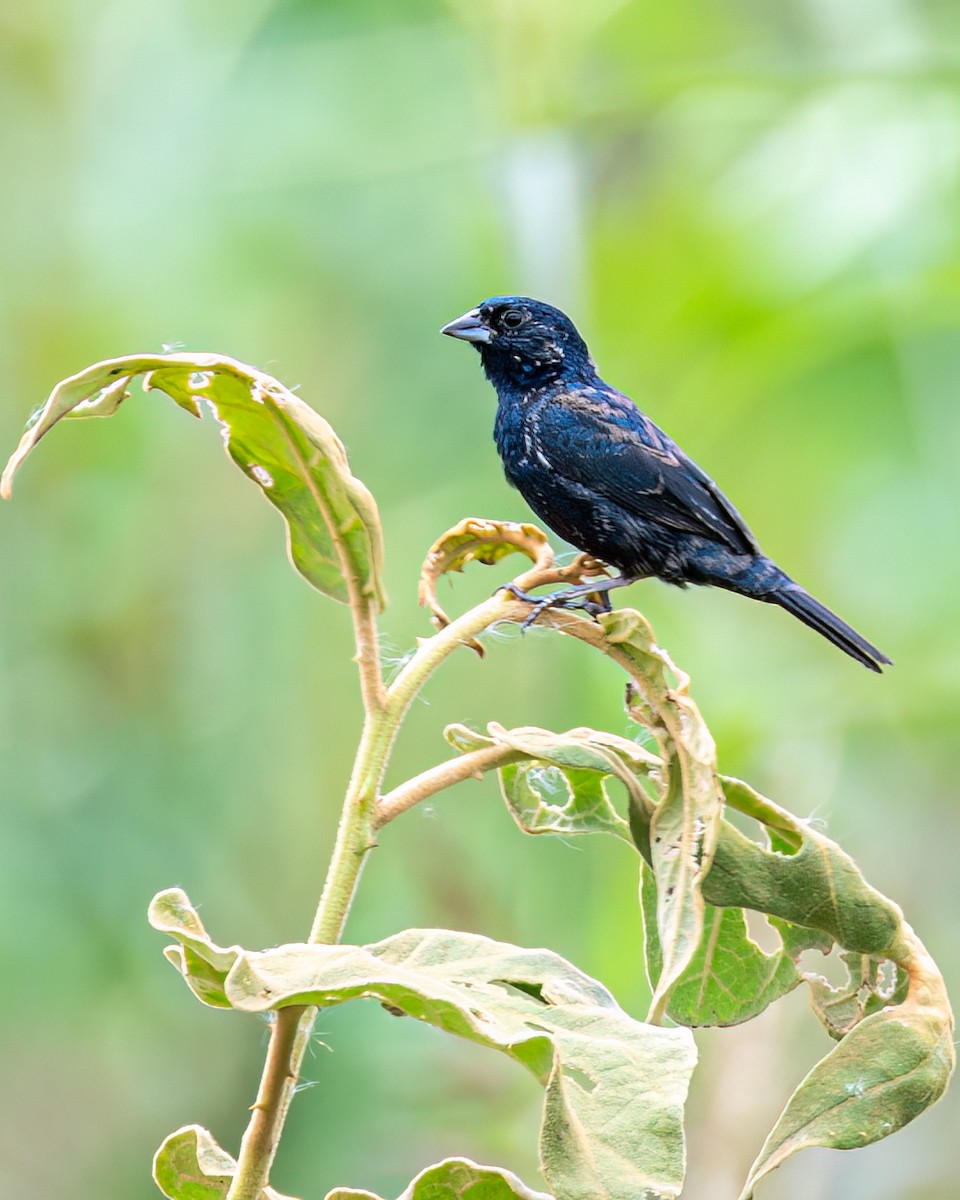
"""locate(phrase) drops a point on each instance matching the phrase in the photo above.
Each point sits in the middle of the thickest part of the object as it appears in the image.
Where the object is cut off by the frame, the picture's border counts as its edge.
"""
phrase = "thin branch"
(356, 834)
(277, 1083)
(367, 657)
(502, 606)
(471, 765)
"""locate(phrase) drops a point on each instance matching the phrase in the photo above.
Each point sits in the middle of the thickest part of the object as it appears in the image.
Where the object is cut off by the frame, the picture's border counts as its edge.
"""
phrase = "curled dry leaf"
(478, 540)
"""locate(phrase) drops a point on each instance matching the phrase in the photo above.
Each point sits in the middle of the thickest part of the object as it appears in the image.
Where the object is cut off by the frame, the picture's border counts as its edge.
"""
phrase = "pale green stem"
(289, 1036)
(472, 765)
(292, 1027)
(356, 835)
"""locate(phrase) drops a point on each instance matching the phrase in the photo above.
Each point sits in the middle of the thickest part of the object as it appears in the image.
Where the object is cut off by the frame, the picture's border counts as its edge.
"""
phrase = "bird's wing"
(602, 440)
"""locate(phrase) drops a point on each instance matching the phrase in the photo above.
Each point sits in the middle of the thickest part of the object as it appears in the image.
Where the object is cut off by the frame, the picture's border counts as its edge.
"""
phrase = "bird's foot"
(519, 593)
(570, 598)
(538, 603)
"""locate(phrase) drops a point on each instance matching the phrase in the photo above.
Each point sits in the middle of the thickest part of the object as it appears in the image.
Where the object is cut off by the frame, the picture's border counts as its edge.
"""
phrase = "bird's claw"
(539, 606)
(538, 603)
(594, 608)
(562, 599)
(519, 593)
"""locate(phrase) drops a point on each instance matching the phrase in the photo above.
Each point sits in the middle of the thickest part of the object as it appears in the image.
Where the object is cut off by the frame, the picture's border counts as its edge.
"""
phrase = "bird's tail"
(794, 599)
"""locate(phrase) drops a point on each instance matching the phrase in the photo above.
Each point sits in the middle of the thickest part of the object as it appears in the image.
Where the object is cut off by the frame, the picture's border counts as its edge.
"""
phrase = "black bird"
(598, 471)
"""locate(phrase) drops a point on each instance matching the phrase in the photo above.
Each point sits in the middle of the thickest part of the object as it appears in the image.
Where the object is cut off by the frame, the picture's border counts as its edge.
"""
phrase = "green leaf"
(684, 826)
(278, 441)
(817, 885)
(191, 1166)
(561, 786)
(551, 799)
(615, 1088)
(895, 1059)
(886, 1071)
(464, 739)
(455, 1178)
(729, 979)
(202, 963)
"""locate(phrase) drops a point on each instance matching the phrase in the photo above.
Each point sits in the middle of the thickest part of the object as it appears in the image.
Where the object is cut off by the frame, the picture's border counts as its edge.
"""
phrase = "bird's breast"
(515, 437)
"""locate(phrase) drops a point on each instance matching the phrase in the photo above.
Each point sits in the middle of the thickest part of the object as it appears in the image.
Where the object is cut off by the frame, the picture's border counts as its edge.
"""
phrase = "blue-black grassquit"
(599, 473)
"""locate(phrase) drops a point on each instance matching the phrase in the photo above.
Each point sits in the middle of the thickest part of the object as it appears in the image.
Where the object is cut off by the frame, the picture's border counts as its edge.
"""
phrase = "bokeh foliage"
(750, 210)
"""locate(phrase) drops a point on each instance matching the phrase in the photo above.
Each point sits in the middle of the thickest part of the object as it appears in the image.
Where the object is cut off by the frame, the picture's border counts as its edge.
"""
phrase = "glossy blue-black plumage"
(599, 473)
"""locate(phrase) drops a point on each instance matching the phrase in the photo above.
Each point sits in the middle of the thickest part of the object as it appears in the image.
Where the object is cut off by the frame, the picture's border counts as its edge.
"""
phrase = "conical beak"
(469, 328)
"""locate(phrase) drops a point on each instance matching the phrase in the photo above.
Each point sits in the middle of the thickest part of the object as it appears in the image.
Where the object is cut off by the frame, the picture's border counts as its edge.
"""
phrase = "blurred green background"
(752, 213)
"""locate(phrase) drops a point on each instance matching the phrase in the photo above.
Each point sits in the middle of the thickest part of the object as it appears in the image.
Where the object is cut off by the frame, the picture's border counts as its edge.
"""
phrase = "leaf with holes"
(559, 784)
(561, 787)
(615, 1088)
(278, 441)
(808, 881)
(841, 1007)
(730, 978)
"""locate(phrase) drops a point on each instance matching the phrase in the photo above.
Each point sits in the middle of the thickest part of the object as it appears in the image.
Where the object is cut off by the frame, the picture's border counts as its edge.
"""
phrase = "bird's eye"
(513, 318)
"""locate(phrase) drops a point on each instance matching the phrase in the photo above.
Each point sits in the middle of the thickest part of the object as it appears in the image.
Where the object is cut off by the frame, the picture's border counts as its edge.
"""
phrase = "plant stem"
(292, 1028)
(356, 835)
(289, 1035)
(367, 657)
(468, 766)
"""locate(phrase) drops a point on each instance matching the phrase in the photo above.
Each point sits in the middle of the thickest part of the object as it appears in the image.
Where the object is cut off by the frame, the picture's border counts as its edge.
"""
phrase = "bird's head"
(522, 342)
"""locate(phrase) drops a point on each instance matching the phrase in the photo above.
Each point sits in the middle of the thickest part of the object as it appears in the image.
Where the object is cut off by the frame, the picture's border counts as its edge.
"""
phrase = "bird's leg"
(578, 596)
(572, 597)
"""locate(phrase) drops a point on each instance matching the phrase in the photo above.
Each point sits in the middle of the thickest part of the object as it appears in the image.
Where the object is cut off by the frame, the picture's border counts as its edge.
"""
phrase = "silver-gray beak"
(469, 328)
